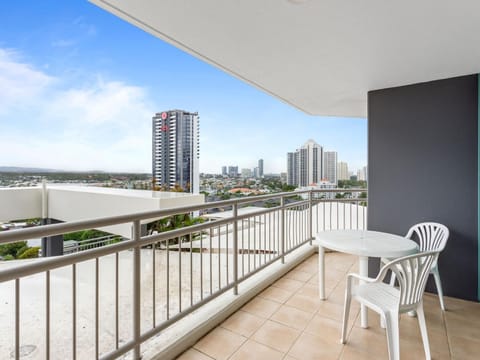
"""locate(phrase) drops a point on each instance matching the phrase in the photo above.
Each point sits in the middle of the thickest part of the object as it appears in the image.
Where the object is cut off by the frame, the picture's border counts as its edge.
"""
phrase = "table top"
(367, 243)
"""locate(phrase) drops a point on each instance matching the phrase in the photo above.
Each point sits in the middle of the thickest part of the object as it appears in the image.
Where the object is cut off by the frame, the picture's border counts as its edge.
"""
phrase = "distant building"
(224, 171)
(233, 171)
(362, 174)
(321, 185)
(283, 177)
(260, 168)
(305, 166)
(246, 173)
(176, 150)
(342, 171)
(330, 166)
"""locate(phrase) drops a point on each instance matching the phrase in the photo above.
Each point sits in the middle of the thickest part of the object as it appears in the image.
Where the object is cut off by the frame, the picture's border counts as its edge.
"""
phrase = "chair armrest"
(359, 277)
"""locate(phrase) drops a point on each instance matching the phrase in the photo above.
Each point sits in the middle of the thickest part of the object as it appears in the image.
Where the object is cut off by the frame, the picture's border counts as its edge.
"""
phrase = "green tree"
(12, 249)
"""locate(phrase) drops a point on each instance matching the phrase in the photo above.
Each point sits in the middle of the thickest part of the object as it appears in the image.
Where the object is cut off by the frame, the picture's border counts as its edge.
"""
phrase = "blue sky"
(78, 89)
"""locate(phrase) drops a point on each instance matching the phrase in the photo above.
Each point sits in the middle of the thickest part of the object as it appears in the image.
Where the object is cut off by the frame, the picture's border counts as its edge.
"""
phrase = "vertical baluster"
(255, 242)
(74, 311)
(201, 265)
(136, 290)
(154, 307)
(179, 243)
(211, 268)
(97, 287)
(191, 269)
(226, 255)
(117, 335)
(167, 285)
(47, 315)
(282, 228)
(17, 319)
(219, 259)
(235, 249)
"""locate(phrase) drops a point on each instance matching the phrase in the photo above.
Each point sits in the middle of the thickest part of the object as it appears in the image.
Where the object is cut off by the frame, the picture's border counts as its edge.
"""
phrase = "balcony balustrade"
(113, 301)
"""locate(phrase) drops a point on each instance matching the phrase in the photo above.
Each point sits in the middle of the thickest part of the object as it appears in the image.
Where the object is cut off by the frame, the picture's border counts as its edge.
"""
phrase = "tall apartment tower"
(342, 171)
(233, 171)
(330, 166)
(260, 168)
(305, 166)
(176, 150)
(224, 171)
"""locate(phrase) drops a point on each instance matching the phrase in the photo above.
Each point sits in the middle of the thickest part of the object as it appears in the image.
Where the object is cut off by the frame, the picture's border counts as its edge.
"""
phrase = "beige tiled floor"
(288, 321)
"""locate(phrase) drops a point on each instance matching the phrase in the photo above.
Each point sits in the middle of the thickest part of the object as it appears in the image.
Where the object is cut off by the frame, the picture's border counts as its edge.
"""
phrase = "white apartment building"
(305, 166)
(330, 166)
(176, 150)
(342, 171)
(362, 174)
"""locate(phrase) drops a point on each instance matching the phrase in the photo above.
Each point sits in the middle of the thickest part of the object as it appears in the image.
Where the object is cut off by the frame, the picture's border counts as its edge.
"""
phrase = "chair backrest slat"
(412, 274)
(431, 236)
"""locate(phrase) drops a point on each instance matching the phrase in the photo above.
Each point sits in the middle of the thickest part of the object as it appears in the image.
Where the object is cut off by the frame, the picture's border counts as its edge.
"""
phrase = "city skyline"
(71, 98)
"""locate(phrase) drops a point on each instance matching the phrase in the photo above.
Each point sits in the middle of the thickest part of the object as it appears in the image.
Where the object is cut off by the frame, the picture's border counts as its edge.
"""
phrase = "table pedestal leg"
(363, 270)
(321, 272)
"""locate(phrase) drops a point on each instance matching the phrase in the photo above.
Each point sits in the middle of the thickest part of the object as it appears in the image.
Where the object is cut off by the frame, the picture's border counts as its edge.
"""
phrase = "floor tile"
(288, 284)
(220, 343)
(243, 323)
(277, 336)
(193, 354)
(275, 294)
(292, 317)
(261, 307)
(252, 350)
(314, 347)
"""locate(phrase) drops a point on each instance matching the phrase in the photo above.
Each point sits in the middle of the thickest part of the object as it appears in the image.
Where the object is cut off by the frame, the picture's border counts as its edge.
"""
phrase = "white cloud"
(19, 81)
(100, 125)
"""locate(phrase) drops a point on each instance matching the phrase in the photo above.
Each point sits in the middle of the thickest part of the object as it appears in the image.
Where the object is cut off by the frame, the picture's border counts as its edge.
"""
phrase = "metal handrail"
(71, 226)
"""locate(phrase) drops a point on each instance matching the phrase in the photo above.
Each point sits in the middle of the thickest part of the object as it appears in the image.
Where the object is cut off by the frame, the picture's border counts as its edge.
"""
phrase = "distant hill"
(16, 169)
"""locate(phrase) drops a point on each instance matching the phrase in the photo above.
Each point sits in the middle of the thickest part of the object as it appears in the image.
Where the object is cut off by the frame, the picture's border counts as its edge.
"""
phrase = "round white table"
(364, 244)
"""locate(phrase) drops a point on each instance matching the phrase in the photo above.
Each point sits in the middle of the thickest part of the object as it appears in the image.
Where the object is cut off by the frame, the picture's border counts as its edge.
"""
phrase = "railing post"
(310, 216)
(235, 249)
(282, 228)
(136, 290)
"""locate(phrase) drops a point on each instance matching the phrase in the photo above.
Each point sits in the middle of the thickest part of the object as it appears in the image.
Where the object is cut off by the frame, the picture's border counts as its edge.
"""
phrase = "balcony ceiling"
(319, 56)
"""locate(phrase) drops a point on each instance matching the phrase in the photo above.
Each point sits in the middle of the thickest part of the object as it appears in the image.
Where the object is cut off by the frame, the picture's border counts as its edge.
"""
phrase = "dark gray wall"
(422, 158)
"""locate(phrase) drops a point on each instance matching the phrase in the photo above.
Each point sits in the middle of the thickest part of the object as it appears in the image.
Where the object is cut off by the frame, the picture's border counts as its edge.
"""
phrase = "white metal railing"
(155, 280)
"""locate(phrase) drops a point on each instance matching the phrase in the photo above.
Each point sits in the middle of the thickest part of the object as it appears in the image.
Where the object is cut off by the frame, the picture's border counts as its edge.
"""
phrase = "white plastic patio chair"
(431, 237)
(412, 273)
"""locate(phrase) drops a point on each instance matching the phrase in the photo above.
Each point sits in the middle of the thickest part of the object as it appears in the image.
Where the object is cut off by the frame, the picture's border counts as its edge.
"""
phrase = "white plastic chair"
(412, 273)
(431, 237)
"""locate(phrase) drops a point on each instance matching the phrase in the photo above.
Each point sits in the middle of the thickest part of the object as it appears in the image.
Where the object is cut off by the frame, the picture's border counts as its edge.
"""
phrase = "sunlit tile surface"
(288, 321)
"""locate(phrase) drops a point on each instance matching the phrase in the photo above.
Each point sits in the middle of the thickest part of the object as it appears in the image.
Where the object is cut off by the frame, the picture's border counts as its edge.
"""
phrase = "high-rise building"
(260, 168)
(342, 171)
(362, 174)
(305, 166)
(330, 166)
(246, 173)
(176, 150)
(233, 171)
(224, 171)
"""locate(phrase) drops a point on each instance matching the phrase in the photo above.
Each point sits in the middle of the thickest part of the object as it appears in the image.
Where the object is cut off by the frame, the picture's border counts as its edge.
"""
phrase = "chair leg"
(393, 335)
(438, 283)
(346, 312)
(423, 330)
